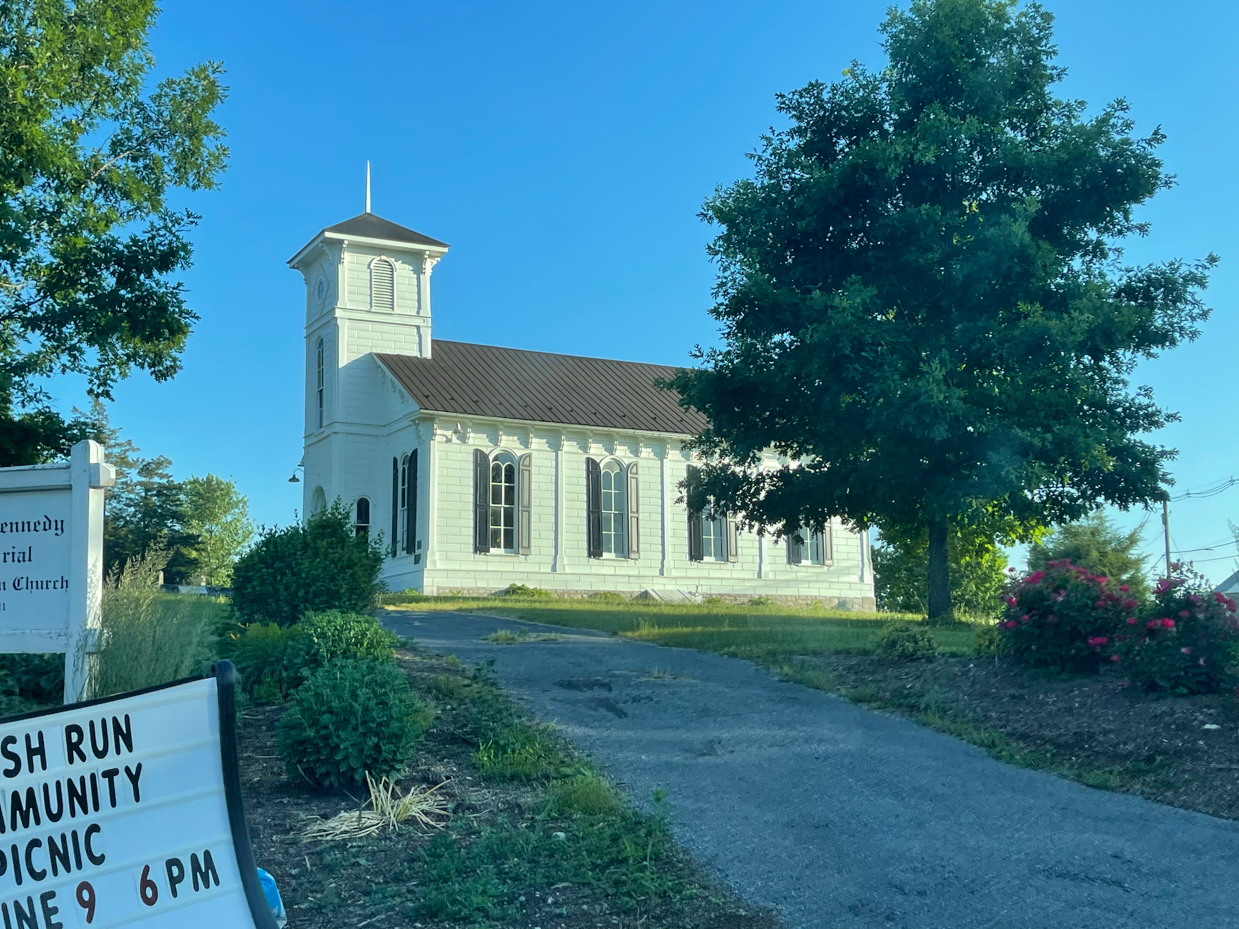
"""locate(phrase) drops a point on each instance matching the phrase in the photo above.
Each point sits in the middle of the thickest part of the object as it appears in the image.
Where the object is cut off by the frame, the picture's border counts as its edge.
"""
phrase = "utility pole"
(1166, 528)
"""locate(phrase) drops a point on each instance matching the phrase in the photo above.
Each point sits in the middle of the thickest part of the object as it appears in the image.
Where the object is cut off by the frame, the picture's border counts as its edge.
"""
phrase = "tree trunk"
(939, 573)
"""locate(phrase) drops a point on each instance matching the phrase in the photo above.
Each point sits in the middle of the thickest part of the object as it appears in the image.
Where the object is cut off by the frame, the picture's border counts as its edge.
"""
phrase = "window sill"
(808, 564)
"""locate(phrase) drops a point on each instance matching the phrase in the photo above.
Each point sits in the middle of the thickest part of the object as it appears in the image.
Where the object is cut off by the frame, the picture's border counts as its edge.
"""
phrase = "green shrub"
(586, 794)
(321, 564)
(906, 642)
(524, 592)
(1186, 642)
(1064, 618)
(350, 718)
(261, 652)
(325, 638)
(30, 682)
(991, 643)
(408, 595)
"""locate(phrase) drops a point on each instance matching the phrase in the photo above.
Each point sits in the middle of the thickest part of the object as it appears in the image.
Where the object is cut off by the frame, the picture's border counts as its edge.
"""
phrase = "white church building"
(484, 466)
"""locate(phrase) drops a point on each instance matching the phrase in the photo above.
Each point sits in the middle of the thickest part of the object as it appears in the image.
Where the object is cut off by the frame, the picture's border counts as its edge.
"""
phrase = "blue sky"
(563, 149)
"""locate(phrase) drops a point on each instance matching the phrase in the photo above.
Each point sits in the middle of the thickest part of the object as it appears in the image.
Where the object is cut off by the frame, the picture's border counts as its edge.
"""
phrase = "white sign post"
(51, 558)
(127, 812)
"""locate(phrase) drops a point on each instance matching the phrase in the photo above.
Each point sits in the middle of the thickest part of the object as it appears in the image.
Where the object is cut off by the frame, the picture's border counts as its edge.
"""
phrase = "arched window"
(318, 501)
(612, 500)
(811, 546)
(319, 382)
(711, 537)
(361, 519)
(382, 285)
(404, 504)
(614, 509)
(503, 503)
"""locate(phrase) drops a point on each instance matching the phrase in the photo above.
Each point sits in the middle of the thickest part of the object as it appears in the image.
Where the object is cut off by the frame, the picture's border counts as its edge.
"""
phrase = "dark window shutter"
(824, 543)
(731, 532)
(593, 491)
(524, 500)
(795, 547)
(634, 513)
(694, 523)
(410, 510)
(481, 501)
(395, 505)
(694, 537)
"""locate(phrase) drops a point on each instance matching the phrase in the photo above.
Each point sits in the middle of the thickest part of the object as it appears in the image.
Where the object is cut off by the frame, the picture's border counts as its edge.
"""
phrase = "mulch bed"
(372, 882)
(1159, 746)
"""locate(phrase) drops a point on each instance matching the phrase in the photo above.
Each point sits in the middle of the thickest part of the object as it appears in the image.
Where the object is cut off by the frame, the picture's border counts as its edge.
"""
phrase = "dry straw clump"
(386, 811)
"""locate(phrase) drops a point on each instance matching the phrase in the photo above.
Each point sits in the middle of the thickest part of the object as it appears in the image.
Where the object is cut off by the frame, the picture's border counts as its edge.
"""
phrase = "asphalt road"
(839, 817)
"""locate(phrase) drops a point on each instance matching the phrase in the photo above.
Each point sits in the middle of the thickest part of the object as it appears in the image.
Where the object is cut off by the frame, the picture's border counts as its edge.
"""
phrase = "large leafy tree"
(924, 302)
(91, 158)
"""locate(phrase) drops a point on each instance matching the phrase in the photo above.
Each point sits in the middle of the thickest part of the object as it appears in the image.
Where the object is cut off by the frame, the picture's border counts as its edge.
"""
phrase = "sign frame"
(226, 678)
(85, 476)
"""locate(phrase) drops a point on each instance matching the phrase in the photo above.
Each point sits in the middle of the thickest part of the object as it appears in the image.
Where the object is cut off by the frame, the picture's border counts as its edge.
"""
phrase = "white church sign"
(127, 812)
(51, 558)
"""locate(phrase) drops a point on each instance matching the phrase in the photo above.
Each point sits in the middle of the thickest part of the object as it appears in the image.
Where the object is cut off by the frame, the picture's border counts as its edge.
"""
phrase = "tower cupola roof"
(367, 227)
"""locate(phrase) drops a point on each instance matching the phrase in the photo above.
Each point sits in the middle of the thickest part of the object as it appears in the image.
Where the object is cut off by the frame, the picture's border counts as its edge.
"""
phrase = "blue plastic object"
(272, 893)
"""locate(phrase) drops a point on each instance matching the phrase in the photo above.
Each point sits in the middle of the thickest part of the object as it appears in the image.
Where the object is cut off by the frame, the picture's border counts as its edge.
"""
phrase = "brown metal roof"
(509, 383)
(369, 226)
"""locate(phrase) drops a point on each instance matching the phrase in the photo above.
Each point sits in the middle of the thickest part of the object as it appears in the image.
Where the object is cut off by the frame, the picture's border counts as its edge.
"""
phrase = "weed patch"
(521, 636)
(522, 752)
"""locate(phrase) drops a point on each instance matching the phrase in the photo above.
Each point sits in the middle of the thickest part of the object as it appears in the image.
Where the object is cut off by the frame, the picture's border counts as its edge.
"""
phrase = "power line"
(1207, 560)
(1208, 492)
(1206, 548)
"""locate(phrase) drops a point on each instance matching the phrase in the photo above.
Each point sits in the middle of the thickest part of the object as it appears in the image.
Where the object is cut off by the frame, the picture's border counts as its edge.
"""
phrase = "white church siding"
(388, 392)
(559, 558)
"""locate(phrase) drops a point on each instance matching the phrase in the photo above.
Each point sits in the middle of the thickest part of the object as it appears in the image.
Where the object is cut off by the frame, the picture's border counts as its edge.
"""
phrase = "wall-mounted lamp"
(300, 467)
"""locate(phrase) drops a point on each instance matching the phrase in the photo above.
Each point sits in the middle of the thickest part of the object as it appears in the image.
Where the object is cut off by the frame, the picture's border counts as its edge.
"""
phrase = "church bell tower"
(367, 285)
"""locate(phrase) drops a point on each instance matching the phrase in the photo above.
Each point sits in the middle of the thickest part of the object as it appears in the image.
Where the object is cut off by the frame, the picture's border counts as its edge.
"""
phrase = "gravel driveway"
(839, 817)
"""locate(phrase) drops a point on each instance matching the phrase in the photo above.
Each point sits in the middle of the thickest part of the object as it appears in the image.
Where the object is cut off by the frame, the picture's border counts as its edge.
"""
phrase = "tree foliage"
(145, 510)
(217, 515)
(977, 566)
(1098, 546)
(91, 158)
(315, 566)
(923, 297)
(201, 525)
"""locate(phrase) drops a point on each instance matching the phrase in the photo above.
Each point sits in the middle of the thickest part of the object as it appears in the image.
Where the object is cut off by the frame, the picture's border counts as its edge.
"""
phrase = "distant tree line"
(979, 571)
(201, 525)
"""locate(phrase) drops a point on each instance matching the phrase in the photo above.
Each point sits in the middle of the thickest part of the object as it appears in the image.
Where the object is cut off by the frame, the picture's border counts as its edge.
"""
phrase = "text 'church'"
(485, 466)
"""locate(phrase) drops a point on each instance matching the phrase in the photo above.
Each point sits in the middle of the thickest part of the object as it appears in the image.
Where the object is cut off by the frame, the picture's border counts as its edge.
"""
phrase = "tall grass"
(149, 637)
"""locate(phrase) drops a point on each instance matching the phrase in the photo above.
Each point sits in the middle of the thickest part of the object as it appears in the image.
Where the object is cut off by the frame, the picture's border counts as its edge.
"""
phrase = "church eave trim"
(447, 416)
(436, 250)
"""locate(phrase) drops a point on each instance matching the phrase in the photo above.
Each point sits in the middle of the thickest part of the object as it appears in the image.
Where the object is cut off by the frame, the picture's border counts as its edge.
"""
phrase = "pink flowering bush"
(1185, 642)
(1065, 618)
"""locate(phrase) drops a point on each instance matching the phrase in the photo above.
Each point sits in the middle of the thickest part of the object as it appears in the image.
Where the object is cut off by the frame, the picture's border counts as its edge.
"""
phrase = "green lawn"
(760, 632)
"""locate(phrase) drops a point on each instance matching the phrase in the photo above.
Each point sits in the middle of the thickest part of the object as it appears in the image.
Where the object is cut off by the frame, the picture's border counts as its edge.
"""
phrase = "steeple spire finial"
(367, 187)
